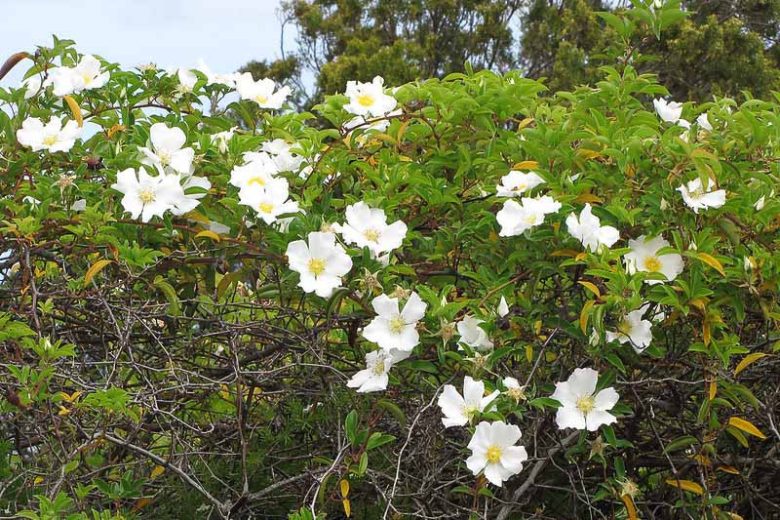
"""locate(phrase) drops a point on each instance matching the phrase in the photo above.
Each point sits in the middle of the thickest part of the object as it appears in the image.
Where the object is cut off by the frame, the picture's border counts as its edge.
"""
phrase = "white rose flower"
(392, 328)
(321, 263)
(581, 407)
(515, 183)
(472, 334)
(369, 99)
(375, 376)
(516, 218)
(368, 227)
(644, 257)
(263, 91)
(588, 230)
(167, 149)
(493, 451)
(669, 111)
(633, 329)
(53, 136)
(459, 409)
(701, 196)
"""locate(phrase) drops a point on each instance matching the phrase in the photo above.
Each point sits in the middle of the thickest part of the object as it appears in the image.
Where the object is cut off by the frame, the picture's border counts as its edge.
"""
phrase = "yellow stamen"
(372, 235)
(379, 368)
(493, 455)
(256, 180)
(165, 158)
(266, 207)
(365, 100)
(261, 100)
(625, 328)
(652, 264)
(147, 196)
(49, 140)
(586, 404)
(316, 266)
(397, 325)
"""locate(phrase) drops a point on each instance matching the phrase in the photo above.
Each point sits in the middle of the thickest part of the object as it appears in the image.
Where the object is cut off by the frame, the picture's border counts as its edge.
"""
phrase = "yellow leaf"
(630, 507)
(157, 471)
(344, 485)
(197, 217)
(747, 360)
(713, 389)
(729, 469)
(72, 397)
(114, 129)
(529, 353)
(63, 411)
(526, 165)
(712, 262)
(37, 480)
(591, 287)
(706, 332)
(538, 327)
(347, 507)
(141, 503)
(565, 252)
(75, 109)
(95, 269)
(746, 426)
(525, 122)
(585, 315)
(588, 154)
(550, 356)
(687, 485)
(209, 234)
(581, 256)
(588, 197)
(699, 303)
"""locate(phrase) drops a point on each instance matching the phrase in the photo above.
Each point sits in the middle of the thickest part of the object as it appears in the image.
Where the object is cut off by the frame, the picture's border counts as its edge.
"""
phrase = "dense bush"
(191, 341)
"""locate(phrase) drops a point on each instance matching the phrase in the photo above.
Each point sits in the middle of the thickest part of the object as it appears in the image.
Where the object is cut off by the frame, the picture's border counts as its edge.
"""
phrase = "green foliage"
(175, 368)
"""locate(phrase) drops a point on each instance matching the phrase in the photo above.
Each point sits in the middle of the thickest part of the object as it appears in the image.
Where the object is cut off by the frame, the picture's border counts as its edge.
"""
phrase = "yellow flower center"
(266, 207)
(493, 455)
(516, 393)
(256, 180)
(530, 219)
(652, 264)
(146, 195)
(49, 140)
(625, 327)
(470, 411)
(365, 100)
(379, 368)
(586, 404)
(165, 157)
(397, 325)
(261, 100)
(372, 235)
(87, 79)
(316, 266)
(520, 187)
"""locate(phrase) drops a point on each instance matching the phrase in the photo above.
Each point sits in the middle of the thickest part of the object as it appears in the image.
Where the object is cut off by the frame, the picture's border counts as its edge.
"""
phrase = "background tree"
(723, 47)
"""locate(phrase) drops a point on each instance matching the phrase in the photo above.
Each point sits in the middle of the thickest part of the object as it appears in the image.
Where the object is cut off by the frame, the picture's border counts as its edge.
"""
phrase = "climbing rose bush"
(466, 297)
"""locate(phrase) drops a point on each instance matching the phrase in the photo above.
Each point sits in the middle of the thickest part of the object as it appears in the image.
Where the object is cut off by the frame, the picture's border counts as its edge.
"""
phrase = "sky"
(226, 34)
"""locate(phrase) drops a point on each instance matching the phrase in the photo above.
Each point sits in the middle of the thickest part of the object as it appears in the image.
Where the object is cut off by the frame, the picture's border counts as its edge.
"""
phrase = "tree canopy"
(721, 49)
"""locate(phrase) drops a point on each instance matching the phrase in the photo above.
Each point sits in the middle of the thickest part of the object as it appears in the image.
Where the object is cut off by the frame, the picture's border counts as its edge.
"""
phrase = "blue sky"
(224, 33)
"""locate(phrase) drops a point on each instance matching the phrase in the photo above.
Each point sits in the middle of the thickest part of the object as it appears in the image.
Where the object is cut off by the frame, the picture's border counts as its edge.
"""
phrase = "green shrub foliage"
(169, 350)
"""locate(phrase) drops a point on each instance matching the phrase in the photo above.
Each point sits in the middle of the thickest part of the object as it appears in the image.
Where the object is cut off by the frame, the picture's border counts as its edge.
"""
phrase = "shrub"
(190, 343)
